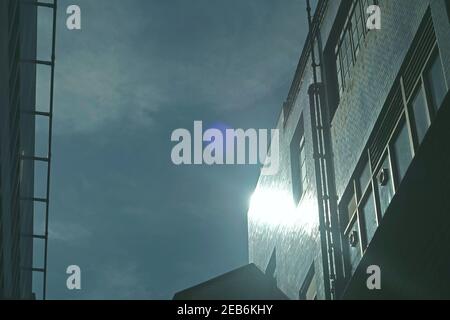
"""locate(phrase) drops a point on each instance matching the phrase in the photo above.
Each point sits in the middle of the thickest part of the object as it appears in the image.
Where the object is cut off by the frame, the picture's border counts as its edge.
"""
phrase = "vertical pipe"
(317, 155)
(330, 233)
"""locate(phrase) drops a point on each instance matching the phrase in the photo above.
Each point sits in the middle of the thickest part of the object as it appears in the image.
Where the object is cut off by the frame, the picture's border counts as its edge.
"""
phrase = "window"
(298, 162)
(427, 98)
(420, 114)
(302, 162)
(351, 208)
(271, 269)
(435, 82)
(309, 287)
(402, 152)
(350, 41)
(369, 217)
(354, 247)
(385, 184)
(366, 207)
(359, 215)
(364, 178)
(351, 233)
(447, 2)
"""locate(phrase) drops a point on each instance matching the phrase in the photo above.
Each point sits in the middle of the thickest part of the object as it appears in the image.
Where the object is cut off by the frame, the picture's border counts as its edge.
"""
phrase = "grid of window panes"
(374, 185)
(350, 41)
(360, 213)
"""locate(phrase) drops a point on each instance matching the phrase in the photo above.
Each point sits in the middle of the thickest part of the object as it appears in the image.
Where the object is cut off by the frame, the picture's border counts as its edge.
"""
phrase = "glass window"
(350, 41)
(402, 151)
(354, 247)
(364, 179)
(339, 74)
(351, 208)
(448, 8)
(435, 82)
(298, 162)
(311, 293)
(420, 114)
(385, 186)
(303, 163)
(309, 288)
(370, 217)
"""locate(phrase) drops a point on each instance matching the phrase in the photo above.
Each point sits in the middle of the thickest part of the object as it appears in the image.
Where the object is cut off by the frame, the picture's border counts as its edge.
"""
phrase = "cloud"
(130, 72)
(122, 281)
(94, 90)
(68, 232)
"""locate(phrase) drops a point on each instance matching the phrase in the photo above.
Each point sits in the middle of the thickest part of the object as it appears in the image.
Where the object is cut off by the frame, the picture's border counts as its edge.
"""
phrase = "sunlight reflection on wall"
(275, 208)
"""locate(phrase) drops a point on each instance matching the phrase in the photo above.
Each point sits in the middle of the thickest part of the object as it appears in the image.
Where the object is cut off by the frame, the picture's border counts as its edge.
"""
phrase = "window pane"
(302, 166)
(303, 173)
(364, 178)
(338, 71)
(370, 217)
(311, 293)
(354, 250)
(421, 116)
(351, 208)
(448, 9)
(402, 151)
(436, 82)
(297, 161)
(385, 187)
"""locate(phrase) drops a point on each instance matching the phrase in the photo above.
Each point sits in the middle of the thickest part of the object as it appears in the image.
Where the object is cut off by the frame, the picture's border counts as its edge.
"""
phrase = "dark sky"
(138, 226)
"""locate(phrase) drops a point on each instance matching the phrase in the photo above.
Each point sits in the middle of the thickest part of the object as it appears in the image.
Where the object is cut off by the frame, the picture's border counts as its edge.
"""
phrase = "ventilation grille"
(424, 43)
(415, 60)
(387, 126)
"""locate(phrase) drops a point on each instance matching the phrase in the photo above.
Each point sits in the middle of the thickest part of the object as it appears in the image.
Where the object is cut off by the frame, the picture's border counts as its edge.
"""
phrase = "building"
(245, 283)
(365, 161)
(18, 113)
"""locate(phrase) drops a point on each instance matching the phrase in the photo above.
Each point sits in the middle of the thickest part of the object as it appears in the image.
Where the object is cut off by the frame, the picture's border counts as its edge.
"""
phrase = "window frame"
(302, 168)
(420, 85)
(447, 6)
(435, 54)
(386, 155)
(299, 174)
(361, 196)
(347, 44)
(309, 280)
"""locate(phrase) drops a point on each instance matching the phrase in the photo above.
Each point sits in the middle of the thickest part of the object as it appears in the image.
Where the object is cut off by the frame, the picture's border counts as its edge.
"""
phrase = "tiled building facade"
(359, 135)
